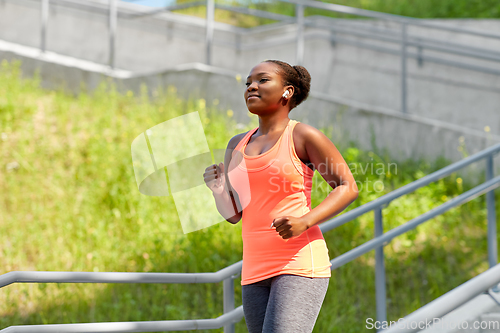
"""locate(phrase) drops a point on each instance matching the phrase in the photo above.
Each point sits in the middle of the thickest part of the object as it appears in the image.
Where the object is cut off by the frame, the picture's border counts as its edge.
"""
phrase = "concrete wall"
(373, 128)
(459, 96)
(354, 89)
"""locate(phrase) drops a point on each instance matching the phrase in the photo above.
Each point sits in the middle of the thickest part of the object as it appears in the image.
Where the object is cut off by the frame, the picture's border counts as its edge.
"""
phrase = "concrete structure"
(479, 315)
(355, 91)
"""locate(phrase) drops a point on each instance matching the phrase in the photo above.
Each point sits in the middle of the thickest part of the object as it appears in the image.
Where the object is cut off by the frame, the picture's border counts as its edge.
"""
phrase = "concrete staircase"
(479, 315)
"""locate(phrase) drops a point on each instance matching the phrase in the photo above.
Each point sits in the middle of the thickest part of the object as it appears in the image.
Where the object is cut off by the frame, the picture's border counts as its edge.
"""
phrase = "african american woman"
(266, 181)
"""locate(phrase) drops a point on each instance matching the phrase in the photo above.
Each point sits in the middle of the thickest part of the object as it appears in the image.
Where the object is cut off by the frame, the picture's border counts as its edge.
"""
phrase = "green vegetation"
(69, 202)
(413, 8)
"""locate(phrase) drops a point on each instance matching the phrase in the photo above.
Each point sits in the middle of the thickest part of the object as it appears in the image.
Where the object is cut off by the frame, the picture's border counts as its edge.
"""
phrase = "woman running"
(266, 182)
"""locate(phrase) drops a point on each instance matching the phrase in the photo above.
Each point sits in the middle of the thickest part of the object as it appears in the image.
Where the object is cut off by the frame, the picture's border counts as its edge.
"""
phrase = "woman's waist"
(269, 239)
(263, 210)
(294, 251)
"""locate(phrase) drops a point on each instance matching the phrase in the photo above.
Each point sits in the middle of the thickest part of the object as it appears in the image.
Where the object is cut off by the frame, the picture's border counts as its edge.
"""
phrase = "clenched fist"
(214, 178)
(290, 226)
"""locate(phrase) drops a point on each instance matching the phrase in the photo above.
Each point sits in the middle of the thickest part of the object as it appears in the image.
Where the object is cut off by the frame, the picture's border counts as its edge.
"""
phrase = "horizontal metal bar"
(475, 52)
(387, 198)
(449, 301)
(466, 51)
(389, 235)
(388, 17)
(352, 11)
(372, 30)
(375, 32)
(165, 9)
(454, 46)
(483, 69)
(314, 4)
(118, 277)
(93, 8)
(235, 9)
(257, 13)
(428, 43)
(310, 35)
(97, 9)
(75, 4)
(133, 326)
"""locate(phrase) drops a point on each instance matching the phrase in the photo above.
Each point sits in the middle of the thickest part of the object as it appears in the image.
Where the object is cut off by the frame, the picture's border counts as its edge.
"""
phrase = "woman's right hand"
(214, 178)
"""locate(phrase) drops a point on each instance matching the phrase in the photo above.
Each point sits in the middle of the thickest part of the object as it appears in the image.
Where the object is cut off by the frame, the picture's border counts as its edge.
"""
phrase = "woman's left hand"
(290, 226)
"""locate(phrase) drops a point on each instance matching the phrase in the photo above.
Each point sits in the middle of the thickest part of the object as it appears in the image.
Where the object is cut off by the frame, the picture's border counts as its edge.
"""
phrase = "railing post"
(44, 21)
(210, 30)
(228, 289)
(420, 58)
(380, 293)
(112, 32)
(299, 15)
(492, 220)
(403, 68)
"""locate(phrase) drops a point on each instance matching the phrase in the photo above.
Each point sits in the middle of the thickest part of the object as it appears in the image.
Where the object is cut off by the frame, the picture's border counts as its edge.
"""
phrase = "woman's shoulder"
(233, 142)
(305, 132)
(308, 140)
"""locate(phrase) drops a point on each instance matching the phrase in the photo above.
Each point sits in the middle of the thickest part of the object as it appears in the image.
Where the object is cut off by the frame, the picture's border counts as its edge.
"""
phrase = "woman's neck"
(273, 122)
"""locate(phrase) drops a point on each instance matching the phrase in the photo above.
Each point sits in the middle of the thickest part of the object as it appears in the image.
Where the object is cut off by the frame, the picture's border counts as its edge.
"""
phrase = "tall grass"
(69, 202)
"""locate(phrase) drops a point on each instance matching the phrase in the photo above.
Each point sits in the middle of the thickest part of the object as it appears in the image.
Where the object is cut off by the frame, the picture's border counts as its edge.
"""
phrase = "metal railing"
(225, 275)
(402, 39)
(381, 238)
(228, 274)
(441, 306)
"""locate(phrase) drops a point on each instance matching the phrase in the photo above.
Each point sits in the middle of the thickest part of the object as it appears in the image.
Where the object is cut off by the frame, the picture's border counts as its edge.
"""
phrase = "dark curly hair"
(296, 76)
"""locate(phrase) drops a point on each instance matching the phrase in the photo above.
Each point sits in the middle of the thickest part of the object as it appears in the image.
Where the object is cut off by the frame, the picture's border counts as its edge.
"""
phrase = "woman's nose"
(252, 86)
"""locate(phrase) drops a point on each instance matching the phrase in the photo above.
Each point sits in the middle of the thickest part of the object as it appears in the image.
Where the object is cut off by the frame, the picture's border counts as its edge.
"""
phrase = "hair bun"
(305, 83)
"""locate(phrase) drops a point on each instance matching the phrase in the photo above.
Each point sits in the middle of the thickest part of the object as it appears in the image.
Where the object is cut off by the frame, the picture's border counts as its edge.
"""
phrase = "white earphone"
(285, 94)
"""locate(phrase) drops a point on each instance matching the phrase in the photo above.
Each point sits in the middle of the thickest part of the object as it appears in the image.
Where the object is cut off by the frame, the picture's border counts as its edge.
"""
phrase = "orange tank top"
(274, 184)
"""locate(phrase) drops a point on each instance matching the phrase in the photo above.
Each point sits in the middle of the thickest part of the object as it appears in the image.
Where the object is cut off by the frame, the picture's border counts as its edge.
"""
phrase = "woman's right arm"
(226, 199)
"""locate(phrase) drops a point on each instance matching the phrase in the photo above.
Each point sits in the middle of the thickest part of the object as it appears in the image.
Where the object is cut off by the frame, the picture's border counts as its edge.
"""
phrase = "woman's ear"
(287, 95)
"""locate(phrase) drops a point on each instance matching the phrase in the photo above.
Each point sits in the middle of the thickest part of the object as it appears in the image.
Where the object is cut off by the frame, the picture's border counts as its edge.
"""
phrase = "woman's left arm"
(322, 154)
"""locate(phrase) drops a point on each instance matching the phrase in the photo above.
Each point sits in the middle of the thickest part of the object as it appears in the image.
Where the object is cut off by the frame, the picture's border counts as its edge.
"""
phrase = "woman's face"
(264, 89)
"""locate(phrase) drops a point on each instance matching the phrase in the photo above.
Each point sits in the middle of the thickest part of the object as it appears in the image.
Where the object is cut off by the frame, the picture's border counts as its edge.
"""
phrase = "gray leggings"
(283, 304)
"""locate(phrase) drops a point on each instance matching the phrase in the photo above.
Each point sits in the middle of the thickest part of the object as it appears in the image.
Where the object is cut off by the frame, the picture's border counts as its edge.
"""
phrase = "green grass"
(69, 202)
(481, 9)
